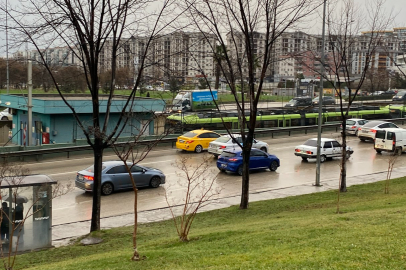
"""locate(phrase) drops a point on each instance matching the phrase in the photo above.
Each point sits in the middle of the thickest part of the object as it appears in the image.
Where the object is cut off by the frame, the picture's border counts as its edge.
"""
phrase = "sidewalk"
(64, 233)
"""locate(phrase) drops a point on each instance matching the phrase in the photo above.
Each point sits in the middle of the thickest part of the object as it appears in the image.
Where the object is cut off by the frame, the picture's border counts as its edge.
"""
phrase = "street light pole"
(29, 105)
(320, 120)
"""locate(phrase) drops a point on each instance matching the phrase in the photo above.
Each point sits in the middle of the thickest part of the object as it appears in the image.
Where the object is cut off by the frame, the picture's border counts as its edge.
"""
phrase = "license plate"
(181, 141)
(364, 131)
(223, 165)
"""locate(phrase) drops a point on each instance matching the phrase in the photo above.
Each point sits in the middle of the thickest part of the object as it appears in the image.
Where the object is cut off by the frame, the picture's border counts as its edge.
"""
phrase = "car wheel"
(155, 182)
(239, 170)
(107, 188)
(322, 158)
(273, 166)
(347, 154)
(399, 151)
(4, 118)
(222, 170)
(362, 139)
(378, 151)
(264, 149)
(304, 158)
(198, 149)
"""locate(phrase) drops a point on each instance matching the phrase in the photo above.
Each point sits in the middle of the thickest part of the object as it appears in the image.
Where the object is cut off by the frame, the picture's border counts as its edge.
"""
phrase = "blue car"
(231, 160)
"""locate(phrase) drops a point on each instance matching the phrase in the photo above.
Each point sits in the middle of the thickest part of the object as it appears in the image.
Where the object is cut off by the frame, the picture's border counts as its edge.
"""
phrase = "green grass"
(223, 97)
(302, 232)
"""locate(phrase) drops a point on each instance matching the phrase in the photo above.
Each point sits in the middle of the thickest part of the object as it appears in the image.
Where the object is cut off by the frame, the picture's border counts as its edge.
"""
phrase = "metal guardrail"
(172, 141)
(258, 132)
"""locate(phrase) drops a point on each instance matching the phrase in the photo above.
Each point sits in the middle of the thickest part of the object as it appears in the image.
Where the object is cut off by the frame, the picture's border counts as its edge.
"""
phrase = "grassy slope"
(302, 232)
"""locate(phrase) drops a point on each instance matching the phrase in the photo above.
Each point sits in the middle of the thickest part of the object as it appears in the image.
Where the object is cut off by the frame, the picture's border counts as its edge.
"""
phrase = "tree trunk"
(245, 179)
(98, 159)
(136, 255)
(343, 174)
(217, 83)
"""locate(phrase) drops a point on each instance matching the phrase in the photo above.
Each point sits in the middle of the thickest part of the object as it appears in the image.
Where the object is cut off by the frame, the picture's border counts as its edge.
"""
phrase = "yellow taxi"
(196, 140)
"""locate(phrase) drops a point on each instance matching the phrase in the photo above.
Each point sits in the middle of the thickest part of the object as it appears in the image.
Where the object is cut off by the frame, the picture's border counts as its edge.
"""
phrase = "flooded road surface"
(76, 205)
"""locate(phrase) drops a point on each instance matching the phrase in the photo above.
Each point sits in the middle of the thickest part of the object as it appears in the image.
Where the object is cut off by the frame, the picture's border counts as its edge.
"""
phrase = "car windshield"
(189, 134)
(222, 139)
(311, 143)
(228, 154)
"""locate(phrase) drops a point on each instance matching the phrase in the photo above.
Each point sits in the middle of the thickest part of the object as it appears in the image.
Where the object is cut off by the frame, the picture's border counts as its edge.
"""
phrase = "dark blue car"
(231, 160)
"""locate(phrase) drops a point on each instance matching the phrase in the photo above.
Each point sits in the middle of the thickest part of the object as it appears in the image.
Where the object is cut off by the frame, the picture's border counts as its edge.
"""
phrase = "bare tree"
(246, 32)
(94, 32)
(391, 162)
(344, 26)
(344, 72)
(131, 153)
(198, 181)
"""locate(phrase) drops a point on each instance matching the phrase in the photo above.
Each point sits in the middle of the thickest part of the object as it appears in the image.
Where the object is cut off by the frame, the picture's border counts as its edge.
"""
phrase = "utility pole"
(7, 66)
(320, 120)
(29, 105)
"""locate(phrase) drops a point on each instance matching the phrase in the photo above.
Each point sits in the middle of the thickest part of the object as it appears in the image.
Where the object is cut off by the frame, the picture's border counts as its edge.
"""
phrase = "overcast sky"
(397, 7)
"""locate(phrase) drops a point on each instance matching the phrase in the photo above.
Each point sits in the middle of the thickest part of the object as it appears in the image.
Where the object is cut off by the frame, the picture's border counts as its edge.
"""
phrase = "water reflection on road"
(76, 205)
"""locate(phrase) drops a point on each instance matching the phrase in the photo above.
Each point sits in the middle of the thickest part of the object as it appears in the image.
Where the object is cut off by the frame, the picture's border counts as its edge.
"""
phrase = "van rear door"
(382, 142)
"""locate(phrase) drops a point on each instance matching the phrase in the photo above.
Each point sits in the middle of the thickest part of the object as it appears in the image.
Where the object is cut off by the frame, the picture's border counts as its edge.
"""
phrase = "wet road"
(76, 205)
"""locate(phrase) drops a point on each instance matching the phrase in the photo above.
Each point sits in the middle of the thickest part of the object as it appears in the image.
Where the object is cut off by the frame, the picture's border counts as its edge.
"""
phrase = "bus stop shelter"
(26, 213)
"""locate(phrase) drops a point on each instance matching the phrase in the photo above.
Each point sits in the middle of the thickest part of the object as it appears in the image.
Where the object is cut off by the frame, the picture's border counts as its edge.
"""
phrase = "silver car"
(115, 177)
(226, 142)
(353, 124)
(367, 131)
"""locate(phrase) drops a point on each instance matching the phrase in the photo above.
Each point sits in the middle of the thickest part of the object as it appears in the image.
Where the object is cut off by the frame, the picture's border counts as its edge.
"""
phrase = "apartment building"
(189, 55)
(387, 48)
(238, 51)
(57, 56)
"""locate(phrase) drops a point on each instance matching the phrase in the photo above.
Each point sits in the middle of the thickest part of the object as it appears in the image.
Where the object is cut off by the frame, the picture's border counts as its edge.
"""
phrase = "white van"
(391, 140)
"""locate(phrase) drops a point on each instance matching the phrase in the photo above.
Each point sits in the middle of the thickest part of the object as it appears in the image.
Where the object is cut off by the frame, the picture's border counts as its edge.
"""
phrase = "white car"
(368, 131)
(226, 142)
(5, 115)
(353, 124)
(329, 148)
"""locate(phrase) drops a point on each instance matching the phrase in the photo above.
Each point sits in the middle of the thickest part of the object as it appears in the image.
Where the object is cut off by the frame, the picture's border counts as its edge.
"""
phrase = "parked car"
(353, 124)
(231, 160)
(227, 142)
(391, 140)
(367, 131)
(329, 148)
(299, 102)
(400, 96)
(377, 93)
(389, 93)
(5, 115)
(327, 100)
(196, 140)
(115, 177)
